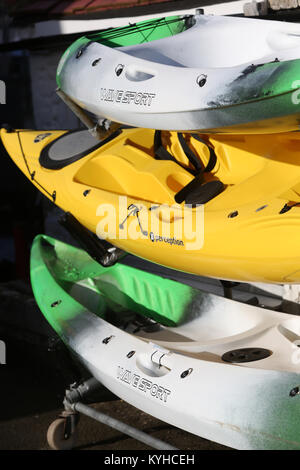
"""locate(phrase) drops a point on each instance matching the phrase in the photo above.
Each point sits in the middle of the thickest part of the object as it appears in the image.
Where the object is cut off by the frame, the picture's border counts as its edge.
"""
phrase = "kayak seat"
(70, 147)
(196, 191)
(160, 153)
(199, 194)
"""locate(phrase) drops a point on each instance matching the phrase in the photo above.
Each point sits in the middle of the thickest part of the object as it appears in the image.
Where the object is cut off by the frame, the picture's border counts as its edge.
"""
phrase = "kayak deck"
(127, 191)
(218, 84)
(227, 372)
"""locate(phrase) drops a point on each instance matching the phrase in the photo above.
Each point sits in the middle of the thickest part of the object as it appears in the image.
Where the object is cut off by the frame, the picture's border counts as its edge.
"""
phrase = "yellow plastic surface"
(261, 174)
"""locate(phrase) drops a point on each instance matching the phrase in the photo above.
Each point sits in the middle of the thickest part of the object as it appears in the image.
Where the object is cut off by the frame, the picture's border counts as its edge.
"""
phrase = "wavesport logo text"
(126, 96)
(174, 225)
(142, 384)
(2, 92)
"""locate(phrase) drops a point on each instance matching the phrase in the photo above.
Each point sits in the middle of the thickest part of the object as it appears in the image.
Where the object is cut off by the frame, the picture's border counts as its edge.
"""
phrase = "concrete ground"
(32, 388)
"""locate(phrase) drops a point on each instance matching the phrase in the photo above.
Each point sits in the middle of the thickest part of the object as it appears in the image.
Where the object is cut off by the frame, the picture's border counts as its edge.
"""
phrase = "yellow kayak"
(222, 206)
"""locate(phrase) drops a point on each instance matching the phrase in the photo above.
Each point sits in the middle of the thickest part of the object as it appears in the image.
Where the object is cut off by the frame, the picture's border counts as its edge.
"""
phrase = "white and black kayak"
(218, 368)
(222, 74)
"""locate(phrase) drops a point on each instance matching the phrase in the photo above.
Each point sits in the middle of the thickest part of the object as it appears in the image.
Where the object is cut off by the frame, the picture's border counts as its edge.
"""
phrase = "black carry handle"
(100, 250)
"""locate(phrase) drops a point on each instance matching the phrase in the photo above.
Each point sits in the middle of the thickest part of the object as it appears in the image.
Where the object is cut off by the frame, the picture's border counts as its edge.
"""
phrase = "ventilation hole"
(201, 80)
(119, 69)
(294, 392)
(130, 354)
(233, 214)
(261, 208)
(186, 373)
(107, 340)
(95, 62)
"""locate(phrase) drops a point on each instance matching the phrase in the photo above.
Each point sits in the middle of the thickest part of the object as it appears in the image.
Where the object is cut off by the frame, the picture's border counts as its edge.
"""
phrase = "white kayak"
(228, 371)
(223, 74)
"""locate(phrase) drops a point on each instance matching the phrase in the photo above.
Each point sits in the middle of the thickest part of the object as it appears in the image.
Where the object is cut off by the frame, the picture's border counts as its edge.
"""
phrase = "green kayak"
(137, 33)
(221, 369)
(74, 275)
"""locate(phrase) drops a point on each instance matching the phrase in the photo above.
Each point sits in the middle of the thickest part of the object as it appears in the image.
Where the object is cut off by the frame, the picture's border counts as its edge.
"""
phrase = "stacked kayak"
(224, 370)
(202, 175)
(210, 74)
(232, 212)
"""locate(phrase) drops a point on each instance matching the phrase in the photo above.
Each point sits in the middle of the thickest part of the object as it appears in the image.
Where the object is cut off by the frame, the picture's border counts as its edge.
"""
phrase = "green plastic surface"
(138, 33)
(66, 279)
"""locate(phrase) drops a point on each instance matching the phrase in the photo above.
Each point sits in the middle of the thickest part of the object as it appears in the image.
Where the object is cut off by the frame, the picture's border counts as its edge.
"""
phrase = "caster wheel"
(56, 437)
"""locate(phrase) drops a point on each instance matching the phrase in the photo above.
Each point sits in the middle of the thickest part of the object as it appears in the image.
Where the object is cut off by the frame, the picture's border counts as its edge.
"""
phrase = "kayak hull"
(241, 233)
(180, 380)
(255, 90)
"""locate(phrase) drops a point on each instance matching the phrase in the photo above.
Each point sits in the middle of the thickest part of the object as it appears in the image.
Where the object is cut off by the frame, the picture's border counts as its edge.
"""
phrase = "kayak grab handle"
(152, 364)
(135, 75)
(100, 250)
